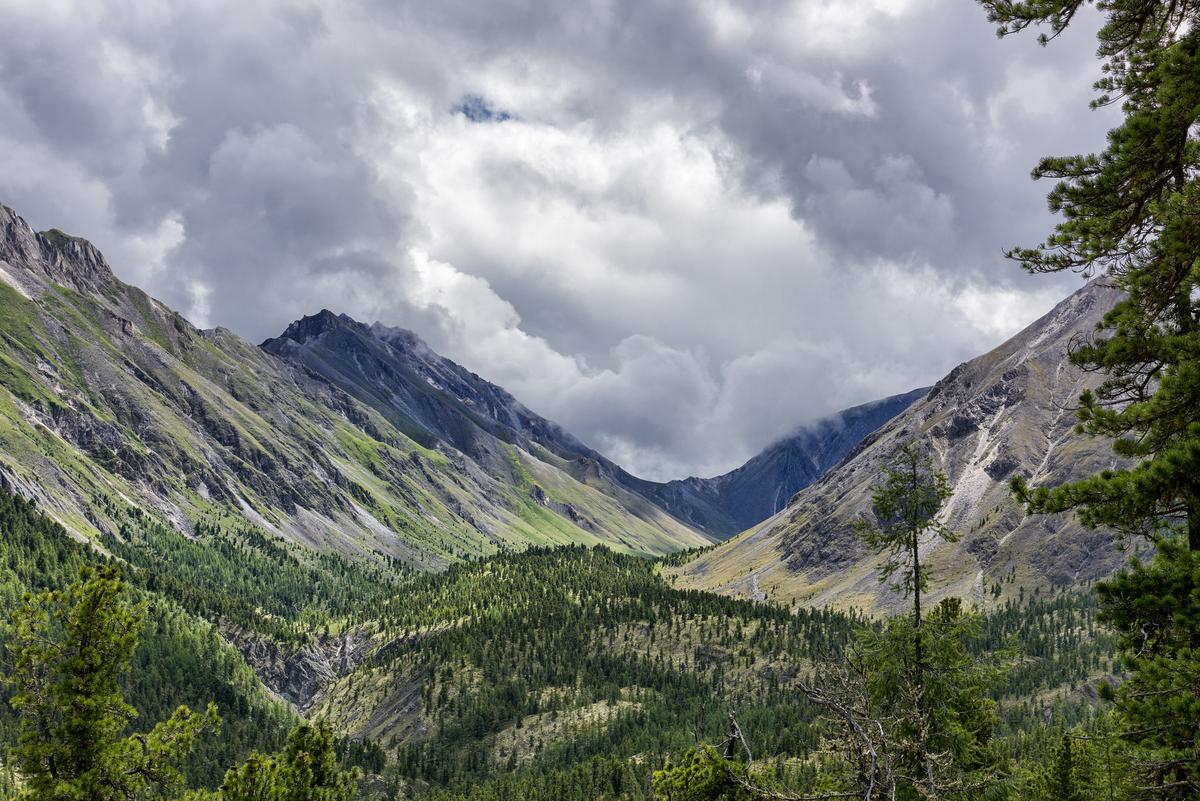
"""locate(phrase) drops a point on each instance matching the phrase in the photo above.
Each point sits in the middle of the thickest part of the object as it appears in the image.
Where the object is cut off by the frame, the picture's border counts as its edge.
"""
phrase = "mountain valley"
(550, 401)
(340, 524)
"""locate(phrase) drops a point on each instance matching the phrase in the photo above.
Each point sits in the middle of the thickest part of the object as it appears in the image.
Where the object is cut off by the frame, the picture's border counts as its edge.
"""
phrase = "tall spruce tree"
(1133, 212)
(906, 506)
(940, 731)
(69, 651)
(931, 694)
(1065, 777)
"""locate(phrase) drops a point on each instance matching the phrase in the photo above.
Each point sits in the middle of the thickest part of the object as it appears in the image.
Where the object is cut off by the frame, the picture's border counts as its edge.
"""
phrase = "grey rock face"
(298, 673)
(1007, 412)
(52, 255)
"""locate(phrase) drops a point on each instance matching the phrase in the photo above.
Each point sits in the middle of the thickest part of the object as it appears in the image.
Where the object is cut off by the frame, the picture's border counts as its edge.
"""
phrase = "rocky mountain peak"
(428, 396)
(75, 258)
(52, 255)
(18, 242)
(314, 325)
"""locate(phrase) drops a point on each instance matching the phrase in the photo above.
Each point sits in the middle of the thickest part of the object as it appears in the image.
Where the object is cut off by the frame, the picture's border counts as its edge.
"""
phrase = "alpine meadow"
(649, 403)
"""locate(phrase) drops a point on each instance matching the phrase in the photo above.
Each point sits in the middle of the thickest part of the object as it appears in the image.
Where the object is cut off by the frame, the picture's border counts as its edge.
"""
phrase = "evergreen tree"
(1066, 777)
(69, 651)
(703, 775)
(1133, 211)
(306, 770)
(1156, 607)
(929, 693)
(938, 734)
(906, 506)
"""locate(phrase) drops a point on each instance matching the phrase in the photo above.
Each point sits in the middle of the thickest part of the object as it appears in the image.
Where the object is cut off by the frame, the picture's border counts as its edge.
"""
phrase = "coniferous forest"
(621, 675)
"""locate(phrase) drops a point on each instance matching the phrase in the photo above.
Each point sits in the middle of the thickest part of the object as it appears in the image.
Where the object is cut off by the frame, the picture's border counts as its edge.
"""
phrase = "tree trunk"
(1193, 524)
(918, 650)
(918, 636)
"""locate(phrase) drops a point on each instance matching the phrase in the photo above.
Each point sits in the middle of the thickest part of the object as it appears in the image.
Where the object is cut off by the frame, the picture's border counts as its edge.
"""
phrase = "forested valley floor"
(566, 674)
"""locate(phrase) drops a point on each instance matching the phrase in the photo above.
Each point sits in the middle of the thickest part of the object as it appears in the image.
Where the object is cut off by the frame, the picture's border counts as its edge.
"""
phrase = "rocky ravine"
(1009, 411)
(298, 673)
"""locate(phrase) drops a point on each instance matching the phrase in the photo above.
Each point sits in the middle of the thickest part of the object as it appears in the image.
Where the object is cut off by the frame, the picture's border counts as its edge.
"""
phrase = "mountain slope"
(177, 661)
(731, 503)
(1006, 412)
(443, 405)
(111, 401)
(426, 395)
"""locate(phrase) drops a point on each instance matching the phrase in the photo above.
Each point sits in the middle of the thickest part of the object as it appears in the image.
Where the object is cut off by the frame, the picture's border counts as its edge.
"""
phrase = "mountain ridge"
(1006, 411)
(444, 405)
(115, 402)
(426, 395)
(749, 494)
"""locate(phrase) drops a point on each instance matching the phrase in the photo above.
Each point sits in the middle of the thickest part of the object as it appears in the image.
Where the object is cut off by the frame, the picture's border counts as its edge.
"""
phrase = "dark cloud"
(699, 225)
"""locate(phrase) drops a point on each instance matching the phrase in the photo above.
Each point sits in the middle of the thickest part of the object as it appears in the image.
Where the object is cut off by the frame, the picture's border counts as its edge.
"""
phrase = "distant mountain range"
(737, 500)
(358, 439)
(437, 402)
(1007, 412)
(336, 435)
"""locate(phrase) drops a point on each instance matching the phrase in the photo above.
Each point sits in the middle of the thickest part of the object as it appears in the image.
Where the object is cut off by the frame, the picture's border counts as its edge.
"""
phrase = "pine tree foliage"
(503, 653)
(929, 695)
(941, 732)
(306, 770)
(179, 659)
(906, 504)
(1068, 775)
(70, 649)
(1133, 212)
(1156, 608)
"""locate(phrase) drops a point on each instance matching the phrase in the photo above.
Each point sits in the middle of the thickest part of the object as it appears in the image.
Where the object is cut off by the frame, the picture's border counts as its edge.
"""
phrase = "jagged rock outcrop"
(50, 256)
(298, 673)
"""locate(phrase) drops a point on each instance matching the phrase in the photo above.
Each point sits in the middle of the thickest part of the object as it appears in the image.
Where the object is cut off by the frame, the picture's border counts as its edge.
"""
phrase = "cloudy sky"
(680, 228)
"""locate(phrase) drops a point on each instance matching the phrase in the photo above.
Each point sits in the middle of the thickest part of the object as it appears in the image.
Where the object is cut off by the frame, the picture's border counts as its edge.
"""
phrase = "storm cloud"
(680, 229)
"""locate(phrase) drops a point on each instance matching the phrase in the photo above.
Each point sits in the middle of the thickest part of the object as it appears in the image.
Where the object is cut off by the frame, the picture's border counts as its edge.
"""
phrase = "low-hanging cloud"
(680, 229)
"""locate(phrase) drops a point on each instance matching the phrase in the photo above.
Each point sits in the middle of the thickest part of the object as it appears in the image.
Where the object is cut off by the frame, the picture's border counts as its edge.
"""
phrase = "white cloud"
(703, 225)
